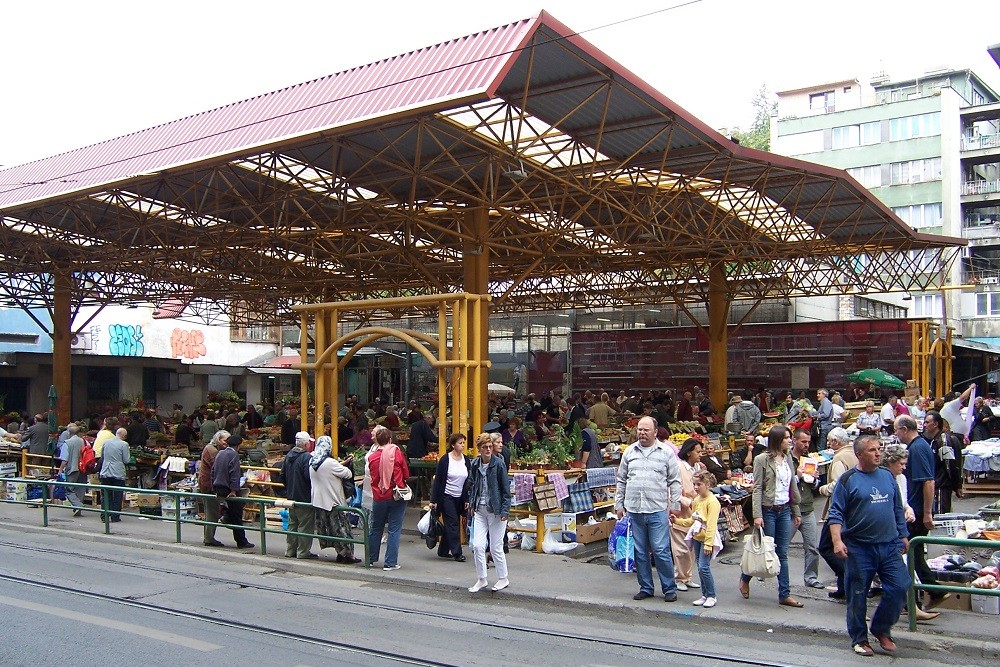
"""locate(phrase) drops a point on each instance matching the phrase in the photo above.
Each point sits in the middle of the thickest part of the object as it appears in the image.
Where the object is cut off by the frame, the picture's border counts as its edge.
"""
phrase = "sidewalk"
(544, 579)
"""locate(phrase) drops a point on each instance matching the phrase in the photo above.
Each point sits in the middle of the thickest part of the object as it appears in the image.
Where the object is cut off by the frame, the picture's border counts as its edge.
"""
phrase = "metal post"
(45, 503)
(105, 513)
(262, 521)
(177, 517)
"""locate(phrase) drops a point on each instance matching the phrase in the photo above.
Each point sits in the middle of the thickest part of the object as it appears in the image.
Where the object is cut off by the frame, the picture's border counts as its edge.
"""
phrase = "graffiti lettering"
(187, 344)
(126, 340)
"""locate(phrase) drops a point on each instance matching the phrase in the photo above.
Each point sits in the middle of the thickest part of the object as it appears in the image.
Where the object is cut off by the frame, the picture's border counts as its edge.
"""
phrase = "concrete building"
(929, 148)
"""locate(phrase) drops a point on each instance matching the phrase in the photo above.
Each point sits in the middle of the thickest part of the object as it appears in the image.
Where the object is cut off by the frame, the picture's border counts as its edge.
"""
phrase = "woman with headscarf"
(327, 474)
(389, 471)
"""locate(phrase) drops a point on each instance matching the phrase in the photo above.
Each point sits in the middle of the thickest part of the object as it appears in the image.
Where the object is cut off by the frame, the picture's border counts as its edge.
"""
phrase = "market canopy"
(597, 191)
(519, 162)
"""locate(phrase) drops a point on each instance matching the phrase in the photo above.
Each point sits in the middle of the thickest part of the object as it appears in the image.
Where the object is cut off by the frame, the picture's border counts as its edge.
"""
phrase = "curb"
(919, 641)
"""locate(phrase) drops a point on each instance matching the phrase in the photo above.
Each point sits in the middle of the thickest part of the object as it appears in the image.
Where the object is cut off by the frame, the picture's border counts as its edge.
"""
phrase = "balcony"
(974, 192)
(981, 142)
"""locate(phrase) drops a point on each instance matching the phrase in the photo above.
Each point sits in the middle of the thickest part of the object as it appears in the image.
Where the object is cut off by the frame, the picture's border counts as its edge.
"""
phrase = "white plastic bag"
(424, 525)
(553, 544)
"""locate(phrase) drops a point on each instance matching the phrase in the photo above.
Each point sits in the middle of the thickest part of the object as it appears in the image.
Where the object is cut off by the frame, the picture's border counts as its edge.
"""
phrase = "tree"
(759, 134)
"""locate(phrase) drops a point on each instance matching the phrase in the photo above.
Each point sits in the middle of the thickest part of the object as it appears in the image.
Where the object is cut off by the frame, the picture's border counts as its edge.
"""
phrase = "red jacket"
(400, 473)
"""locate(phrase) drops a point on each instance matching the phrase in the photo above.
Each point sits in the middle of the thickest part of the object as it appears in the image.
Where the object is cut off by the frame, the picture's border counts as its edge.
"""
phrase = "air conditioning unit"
(992, 280)
(82, 341)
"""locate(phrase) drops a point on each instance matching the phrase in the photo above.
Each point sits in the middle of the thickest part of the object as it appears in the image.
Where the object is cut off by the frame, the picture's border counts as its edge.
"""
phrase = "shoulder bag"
(759, 556)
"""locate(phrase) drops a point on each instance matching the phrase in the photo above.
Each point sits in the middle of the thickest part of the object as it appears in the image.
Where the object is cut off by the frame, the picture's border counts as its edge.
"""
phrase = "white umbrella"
(499, 388)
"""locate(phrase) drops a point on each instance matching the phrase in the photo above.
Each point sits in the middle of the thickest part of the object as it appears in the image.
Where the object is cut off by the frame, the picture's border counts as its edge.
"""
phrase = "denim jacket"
(497, 486)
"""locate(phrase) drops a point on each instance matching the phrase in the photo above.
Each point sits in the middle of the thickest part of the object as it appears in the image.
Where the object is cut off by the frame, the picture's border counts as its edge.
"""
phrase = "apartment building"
(929, 148)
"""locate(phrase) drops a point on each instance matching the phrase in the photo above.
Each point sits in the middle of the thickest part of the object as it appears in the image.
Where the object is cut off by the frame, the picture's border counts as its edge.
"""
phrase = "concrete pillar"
(62, 334)
(476, 263)
(718, 337)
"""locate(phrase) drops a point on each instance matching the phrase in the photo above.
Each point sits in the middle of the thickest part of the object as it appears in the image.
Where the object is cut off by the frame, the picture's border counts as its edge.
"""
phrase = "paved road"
(235, 602)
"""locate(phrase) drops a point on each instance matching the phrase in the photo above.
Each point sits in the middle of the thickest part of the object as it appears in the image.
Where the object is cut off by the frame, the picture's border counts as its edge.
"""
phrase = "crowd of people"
(874, 498)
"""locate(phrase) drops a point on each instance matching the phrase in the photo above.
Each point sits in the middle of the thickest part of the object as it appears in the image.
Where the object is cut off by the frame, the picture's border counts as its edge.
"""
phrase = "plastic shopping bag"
(424, 525)
(759, 556)
(553, 544)
(621, 546)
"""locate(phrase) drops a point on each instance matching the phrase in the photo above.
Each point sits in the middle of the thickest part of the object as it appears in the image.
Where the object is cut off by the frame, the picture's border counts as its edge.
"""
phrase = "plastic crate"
(950, 527)
(990, 513)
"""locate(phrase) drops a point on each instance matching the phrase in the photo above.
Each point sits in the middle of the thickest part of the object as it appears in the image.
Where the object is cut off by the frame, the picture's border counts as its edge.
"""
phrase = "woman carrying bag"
(450, 495)
(776, 505)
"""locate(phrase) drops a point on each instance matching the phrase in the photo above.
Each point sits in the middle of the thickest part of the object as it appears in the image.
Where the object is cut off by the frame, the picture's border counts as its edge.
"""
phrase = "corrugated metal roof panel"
(456, 68)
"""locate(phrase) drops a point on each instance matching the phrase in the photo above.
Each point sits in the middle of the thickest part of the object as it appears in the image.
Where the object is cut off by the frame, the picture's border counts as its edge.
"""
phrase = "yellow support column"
(442, 393)
(334, 380)
(304, 378)
(475, 265)
(718, 336)
(322, 341)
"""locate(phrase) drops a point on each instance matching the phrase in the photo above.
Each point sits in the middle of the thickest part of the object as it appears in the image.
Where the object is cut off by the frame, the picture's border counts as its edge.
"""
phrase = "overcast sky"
(75, 73)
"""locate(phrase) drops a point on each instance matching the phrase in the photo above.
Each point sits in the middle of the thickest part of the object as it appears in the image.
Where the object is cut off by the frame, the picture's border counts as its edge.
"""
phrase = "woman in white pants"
(489, 500)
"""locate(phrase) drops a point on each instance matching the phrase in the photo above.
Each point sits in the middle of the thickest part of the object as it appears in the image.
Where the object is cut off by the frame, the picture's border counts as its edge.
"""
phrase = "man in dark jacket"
(226, 483)
(422, 438)
(137, 433)
(298, 487)
(289, 427)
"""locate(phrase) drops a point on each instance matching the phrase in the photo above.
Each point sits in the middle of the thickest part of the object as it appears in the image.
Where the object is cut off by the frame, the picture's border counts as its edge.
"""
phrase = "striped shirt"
(649, 479)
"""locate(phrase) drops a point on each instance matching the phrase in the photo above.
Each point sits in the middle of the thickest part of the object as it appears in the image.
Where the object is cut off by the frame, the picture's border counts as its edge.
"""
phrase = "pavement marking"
(141, 630)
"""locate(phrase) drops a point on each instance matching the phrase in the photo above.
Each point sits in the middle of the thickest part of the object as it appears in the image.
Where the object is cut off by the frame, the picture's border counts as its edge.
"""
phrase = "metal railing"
(47, 501)
(911, 592)
(981, 187)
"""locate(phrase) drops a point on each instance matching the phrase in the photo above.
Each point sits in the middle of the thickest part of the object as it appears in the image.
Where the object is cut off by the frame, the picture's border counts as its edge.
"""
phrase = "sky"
(75, 73)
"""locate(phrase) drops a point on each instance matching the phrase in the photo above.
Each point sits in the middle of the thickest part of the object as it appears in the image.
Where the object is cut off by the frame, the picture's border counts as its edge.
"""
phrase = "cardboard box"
(146, 500)
(957, 601)
(565, 522)
(594, 532)
(985, 604)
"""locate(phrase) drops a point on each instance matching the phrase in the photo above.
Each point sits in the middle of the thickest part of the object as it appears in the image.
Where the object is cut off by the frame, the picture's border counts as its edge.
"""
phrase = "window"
(870, 176)
(847, 136)
(877, 310)
(822, 101)
(909, 127)
(925, 262)
(988, 304)
(920, 215)
(847, 89)
(871, 133)
(800, 143)
(926, 305)
(248, 324)
(915, 171)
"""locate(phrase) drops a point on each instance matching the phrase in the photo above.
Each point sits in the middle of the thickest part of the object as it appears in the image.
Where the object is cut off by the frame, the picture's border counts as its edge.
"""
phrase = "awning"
(273, 371)
(991, 345)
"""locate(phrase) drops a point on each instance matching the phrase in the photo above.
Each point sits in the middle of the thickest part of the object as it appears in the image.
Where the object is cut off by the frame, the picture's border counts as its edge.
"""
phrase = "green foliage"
(759, 134)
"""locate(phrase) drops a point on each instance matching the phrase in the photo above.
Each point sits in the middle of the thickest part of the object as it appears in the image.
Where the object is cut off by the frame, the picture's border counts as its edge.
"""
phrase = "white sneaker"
(478, 586)
(501, 584)
(681, 586)
(709, 603)
(700, 601)
(691, 584)
(390, 567)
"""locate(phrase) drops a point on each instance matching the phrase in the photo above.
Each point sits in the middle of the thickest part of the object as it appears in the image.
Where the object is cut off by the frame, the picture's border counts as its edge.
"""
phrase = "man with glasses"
(919, 475)
(649, 490)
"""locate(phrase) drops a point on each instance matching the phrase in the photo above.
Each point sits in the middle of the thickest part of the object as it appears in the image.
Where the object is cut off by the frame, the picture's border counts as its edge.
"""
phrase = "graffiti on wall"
(187, 344)
(125, 340)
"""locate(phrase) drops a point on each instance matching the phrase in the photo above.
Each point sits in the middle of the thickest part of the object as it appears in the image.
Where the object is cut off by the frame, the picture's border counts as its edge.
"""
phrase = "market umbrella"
(499, 388)
(876, 376)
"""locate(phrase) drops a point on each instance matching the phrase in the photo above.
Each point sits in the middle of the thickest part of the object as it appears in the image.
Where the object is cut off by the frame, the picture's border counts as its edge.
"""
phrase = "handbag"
(402, 493)
(759, 556)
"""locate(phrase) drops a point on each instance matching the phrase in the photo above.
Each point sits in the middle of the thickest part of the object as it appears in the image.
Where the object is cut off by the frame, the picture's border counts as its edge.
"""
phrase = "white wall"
(796, 105)
(132, 332)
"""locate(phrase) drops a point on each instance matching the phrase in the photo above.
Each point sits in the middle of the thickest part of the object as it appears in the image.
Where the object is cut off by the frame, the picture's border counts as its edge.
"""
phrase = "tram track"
(324, 597)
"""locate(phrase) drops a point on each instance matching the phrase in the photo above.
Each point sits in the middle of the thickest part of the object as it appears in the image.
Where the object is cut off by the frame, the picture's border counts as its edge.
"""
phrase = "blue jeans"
(651, 533)
(778, 524)
(704, 561)
(391, 511)
(863, 562)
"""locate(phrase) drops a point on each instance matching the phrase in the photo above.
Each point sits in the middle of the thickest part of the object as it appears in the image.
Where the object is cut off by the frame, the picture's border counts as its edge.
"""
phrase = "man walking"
(825, 415)
(919, 475)
(808, 482)
(843, 460)
(115, 456)
(70, 467)
(226, 484)
(649, 488)
(869, 531)
(298, 487)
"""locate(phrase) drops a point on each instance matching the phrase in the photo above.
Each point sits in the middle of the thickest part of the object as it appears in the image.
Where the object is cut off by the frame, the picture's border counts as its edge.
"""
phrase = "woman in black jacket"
(450, 494)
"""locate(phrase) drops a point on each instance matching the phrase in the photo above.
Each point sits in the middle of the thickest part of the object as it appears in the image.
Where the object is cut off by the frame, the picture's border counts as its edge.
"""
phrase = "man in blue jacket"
(868, 528)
